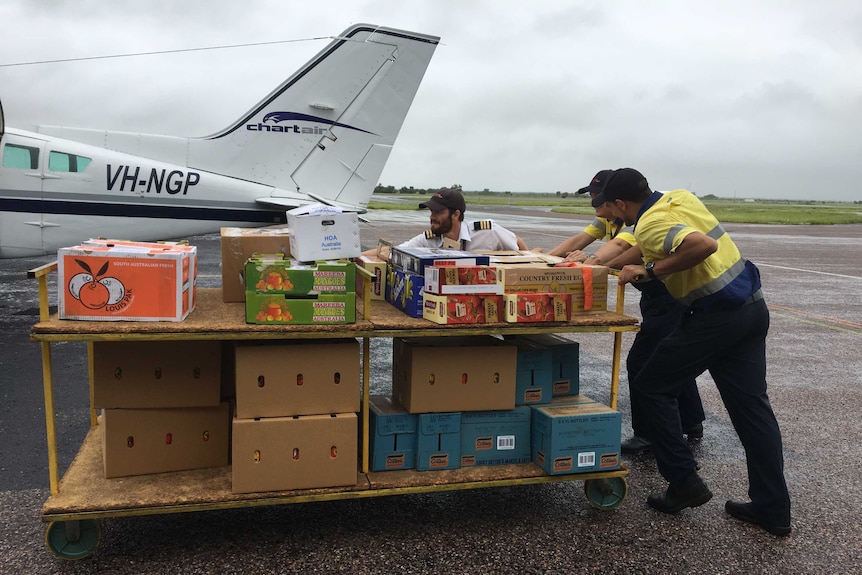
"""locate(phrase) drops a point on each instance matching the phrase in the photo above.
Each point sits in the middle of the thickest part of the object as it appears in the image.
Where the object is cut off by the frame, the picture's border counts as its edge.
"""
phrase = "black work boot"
(689, 493)
(746, 512)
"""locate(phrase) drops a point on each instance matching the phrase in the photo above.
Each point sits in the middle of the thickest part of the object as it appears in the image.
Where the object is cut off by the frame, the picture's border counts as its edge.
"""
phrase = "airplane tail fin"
(326, 132)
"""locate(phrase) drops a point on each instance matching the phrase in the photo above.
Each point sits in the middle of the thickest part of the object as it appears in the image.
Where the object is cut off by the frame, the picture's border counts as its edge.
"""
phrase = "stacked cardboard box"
(575, 436)
(443, 379)
(495, 437)
(239, 244)
(407, 283)
(565, 362)
(285, 291)
(586, 287)
(108, 280)
(321, 232)
(377, 267)
(393, 435)
(161, 406)
(295, 425)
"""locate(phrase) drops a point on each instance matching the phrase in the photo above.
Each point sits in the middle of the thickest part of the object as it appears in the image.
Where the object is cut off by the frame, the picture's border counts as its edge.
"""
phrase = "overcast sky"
(737, 98)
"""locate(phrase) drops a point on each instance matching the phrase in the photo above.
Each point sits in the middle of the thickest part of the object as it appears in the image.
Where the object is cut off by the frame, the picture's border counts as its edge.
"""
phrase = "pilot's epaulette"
(483, 225)
(429, 234)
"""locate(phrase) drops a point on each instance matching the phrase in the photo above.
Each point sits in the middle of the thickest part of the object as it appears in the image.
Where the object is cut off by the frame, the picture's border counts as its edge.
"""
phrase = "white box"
(319, 232)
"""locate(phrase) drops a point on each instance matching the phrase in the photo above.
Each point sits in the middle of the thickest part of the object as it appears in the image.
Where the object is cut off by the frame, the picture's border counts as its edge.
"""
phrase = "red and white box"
(537, 307)
(462, 280)
(462, 308)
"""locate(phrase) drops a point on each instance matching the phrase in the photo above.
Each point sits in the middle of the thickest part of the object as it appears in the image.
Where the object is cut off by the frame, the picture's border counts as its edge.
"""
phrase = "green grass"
(732, 211)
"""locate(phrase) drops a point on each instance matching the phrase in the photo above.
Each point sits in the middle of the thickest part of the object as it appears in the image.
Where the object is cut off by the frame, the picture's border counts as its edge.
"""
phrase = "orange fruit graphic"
(94, 295)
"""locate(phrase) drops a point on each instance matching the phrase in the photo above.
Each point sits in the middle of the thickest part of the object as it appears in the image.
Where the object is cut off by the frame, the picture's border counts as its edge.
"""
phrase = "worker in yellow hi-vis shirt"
(723, 331)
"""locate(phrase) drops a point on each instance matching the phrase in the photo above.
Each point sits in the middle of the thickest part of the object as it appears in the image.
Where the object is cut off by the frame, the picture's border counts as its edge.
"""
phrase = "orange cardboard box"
(126, 283)
(188, 272)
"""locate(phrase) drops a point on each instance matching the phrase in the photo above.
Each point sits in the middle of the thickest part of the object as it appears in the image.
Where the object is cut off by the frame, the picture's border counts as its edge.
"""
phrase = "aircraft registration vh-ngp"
(323, 136)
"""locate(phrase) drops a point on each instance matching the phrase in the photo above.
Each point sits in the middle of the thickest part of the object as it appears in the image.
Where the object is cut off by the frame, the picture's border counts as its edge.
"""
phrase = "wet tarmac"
(811, 281)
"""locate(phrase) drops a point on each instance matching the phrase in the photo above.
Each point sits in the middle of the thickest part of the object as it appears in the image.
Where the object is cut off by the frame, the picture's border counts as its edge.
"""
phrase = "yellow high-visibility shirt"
(662, 228)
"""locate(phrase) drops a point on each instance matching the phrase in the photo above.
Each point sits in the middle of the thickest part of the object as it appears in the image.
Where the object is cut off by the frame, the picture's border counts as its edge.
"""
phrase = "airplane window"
(63, 162)
(20, 157)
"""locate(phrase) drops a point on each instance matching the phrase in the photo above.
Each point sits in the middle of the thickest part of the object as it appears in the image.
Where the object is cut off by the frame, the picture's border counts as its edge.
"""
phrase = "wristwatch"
(648, 267)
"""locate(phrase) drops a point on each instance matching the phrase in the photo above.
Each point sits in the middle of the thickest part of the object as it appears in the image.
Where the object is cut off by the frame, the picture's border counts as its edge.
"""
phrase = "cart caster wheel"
(73, 539)
(606, 494)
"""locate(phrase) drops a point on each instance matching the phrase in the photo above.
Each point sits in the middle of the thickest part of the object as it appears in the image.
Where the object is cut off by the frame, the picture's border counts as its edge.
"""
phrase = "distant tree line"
(381, 189)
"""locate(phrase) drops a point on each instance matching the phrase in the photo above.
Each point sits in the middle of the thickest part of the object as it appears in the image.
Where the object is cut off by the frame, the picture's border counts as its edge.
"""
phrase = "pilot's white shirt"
(471, 238)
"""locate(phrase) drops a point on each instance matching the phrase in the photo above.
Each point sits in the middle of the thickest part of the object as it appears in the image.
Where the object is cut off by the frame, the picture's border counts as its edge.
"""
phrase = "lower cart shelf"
(86, 494)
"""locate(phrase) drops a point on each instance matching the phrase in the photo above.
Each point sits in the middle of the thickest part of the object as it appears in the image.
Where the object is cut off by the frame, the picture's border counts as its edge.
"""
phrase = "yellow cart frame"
(84, 496)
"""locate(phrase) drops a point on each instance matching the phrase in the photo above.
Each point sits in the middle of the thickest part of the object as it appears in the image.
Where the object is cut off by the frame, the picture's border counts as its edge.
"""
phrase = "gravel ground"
(815, 377)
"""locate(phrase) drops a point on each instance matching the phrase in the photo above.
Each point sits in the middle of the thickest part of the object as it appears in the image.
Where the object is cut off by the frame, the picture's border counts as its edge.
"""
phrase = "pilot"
(450, 230)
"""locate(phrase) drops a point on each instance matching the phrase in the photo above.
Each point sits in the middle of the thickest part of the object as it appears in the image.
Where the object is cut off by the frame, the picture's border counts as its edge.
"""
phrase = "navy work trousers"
(661, 313)
(731, 344)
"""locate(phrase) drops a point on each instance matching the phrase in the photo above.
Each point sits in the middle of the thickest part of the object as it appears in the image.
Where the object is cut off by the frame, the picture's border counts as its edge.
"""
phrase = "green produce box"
(271, 273)
(280, 309)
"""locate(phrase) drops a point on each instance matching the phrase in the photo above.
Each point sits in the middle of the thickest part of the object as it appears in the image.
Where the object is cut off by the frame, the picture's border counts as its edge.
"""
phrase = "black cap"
(598, 182)
(624, 184)
(445, 198)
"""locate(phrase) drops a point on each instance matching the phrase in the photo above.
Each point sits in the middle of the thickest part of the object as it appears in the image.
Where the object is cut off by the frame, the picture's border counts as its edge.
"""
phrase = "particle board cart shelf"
(83, 495)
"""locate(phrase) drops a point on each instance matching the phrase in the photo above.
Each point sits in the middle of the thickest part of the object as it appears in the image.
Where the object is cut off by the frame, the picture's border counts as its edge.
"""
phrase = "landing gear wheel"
(606, 494)
(73, 539)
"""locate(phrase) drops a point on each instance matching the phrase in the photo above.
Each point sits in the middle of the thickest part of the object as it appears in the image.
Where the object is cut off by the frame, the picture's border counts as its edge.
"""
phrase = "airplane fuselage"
(58, 189)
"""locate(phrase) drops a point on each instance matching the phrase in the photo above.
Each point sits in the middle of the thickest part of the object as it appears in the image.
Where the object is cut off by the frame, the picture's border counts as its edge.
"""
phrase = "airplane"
(323, 136)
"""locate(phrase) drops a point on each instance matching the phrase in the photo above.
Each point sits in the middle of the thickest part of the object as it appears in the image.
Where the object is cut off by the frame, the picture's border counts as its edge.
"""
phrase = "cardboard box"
(495, 437)
(565, 362)
(142, 374)
(415, 259)
(239, 244)
(326, 309)
(393, 435)
(537, 307)
(576, 438)
(319, 232)
(142, 441)
(521, 257)
(126, 283)
(306, 377)
(303, 452)
(407, 292)
(462, 308)
(438, 444)
(462, 280)
(377, 267)
(543, 278)
(439, 374)
(571, 399)
(274, 274)
(533, 383)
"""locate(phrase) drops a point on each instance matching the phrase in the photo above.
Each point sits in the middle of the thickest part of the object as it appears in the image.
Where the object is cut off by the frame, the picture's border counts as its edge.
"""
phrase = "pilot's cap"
(445, 198)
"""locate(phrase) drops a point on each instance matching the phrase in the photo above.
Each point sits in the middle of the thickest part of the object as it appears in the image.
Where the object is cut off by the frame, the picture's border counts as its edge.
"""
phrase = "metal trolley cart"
(83, 496)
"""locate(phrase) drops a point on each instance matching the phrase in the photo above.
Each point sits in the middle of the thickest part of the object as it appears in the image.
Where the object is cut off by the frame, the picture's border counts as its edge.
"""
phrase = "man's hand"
(631, 274)
(576, 256)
